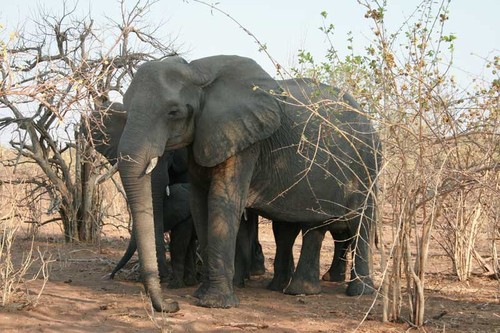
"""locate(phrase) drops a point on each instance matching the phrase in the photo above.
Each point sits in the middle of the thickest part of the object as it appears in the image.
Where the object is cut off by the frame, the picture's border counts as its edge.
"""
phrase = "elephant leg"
(243, 254)
(159, 182)
(190, 269)
(361, 282)
(199, 212)
(305, 280)
(132, 246)
(284, 236)
(337, 270)
(227, 196)
(257, 266)
(163, 267)
(180, 242)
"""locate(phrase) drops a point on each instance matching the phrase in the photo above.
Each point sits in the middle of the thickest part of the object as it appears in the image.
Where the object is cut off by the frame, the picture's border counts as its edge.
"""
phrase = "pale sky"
(288, 25)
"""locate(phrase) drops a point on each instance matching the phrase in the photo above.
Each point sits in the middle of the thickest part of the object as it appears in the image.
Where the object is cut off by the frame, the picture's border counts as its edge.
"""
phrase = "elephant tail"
(132, 247)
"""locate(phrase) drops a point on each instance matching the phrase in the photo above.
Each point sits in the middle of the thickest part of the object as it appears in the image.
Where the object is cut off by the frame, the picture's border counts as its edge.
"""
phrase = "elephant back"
(329, 119)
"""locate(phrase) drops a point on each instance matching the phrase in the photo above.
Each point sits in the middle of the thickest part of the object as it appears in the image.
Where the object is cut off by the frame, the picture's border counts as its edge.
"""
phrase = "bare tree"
(52, 75)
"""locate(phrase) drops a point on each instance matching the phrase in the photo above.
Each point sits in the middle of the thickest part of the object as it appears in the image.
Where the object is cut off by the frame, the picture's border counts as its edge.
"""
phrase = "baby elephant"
(177, 219)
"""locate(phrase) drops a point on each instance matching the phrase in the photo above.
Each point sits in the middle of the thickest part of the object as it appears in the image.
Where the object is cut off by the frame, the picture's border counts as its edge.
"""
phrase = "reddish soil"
(77, 299)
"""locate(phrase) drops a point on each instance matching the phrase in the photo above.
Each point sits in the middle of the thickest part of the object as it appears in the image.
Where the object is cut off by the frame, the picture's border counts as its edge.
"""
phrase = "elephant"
(294, 150)
(172, 169)
(249, 259)
(173, 211)
(177, 219)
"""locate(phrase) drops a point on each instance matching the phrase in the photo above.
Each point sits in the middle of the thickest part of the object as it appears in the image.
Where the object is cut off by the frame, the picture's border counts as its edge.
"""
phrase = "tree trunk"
(81, 214)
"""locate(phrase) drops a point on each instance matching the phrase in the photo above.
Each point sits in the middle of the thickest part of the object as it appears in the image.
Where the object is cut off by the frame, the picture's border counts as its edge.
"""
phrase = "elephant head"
(218, 105)
(105, 128)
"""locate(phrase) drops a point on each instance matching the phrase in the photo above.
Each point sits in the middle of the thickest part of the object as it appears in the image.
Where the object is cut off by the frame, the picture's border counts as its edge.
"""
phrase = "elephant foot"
(164, 279)
(165, 275)
(239, 283)
(333, 276)
(256, 271)
(258, 267)
(190, 281)
(301, 287)
(202, 289)
(278, 284)
(360, 286)
(217, 300)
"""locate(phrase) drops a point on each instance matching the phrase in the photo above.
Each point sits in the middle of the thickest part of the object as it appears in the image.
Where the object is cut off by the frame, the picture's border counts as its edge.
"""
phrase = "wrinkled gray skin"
(304, 280)
(172, 212)
(249, 259)
(247, 148)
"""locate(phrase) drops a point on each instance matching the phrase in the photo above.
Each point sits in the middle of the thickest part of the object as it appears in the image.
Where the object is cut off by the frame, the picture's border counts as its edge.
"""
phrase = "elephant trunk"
(137, 184)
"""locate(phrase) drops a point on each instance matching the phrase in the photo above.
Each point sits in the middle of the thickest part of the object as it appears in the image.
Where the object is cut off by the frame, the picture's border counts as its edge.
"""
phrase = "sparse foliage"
(440, 145)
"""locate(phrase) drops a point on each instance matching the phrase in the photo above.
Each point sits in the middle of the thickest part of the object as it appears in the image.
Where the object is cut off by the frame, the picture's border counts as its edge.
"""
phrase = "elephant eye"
(173, 112)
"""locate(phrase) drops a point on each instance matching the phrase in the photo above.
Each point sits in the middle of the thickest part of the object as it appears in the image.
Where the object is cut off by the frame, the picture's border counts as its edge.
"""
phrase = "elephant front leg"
(228, 190)
(221, 243)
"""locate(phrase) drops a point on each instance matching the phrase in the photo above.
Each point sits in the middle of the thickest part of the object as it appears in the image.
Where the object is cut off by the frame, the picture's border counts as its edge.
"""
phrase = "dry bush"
(18, 269)
(53, 73)
(440, 147)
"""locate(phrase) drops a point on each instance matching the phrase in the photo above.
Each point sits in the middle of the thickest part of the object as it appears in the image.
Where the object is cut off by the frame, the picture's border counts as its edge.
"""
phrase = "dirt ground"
(77, 298)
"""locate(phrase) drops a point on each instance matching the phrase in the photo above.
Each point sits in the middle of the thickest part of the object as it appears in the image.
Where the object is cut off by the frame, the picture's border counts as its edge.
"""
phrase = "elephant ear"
(238, 108)
(107, 132)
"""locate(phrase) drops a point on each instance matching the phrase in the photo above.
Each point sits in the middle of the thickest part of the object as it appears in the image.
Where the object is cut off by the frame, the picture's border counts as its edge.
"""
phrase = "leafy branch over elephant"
(252, 143)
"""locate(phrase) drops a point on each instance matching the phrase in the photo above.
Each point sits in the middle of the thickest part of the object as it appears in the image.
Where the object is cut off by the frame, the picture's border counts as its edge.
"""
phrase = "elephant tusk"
(167, 191)
(151, 165)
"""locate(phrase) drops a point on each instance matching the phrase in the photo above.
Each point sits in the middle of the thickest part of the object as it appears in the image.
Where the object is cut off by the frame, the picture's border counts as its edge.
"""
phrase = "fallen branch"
(247, 326)
(487, 268)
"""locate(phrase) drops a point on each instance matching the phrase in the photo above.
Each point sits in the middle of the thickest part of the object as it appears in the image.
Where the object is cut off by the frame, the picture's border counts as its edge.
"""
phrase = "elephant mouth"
(174, 146)
(177, 142)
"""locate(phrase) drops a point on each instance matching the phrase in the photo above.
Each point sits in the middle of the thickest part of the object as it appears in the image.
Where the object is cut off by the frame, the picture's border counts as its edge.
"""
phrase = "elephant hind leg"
(360, 282)
(337, 271)
(305, 280)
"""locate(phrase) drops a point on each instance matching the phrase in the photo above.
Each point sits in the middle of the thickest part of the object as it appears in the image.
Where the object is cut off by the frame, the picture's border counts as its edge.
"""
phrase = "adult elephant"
(252, 143)
(171, 210)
